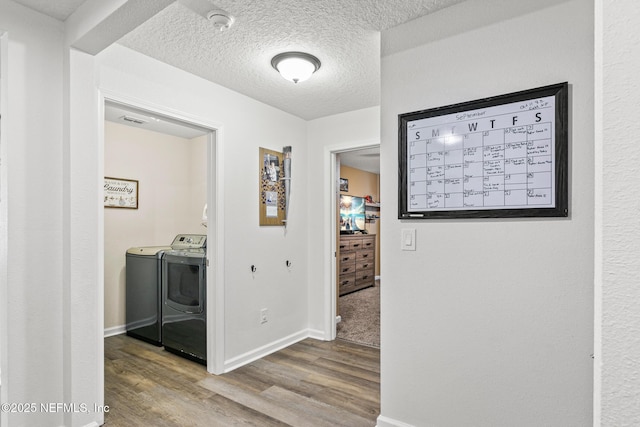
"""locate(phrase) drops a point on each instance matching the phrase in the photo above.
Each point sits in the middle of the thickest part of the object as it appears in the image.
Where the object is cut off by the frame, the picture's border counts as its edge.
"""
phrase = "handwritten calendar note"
(498, 157)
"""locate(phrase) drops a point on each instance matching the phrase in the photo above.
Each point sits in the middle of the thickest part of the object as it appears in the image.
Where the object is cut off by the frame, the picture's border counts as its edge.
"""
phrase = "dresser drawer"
(345, 289)
(355, 244)
(364, 255)
(368, 243)
(347, 267)
(364, 264)
(347, 280)
(344, 245)
(347, 257)
(365, 276)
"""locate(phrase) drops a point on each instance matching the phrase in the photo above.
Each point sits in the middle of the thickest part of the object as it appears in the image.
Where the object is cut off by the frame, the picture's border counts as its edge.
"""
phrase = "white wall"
(338, 132)
(171, 174)
(617, 206)
(489, 322)
(32, 360)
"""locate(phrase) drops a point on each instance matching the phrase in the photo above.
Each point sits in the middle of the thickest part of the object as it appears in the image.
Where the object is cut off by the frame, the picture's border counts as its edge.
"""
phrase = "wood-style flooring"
(311, 383)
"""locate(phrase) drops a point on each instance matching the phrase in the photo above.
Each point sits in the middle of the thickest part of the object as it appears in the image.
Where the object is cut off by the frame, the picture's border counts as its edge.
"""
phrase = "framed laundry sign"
(498, 157)
(120, 193)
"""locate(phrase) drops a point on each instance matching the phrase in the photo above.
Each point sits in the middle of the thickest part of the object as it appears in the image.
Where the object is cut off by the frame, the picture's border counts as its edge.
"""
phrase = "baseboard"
(316, 334)
(265, 350)
(383, 421)
(115, 330)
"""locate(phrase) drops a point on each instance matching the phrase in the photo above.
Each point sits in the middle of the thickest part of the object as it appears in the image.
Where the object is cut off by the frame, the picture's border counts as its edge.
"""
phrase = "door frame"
(329, 228)
(4, 218)
(215, 223)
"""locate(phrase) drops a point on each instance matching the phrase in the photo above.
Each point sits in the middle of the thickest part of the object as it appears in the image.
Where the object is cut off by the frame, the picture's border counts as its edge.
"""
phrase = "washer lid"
(148, 250)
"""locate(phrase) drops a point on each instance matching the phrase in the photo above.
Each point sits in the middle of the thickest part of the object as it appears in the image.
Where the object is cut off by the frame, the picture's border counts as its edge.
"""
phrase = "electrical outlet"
(264, 316)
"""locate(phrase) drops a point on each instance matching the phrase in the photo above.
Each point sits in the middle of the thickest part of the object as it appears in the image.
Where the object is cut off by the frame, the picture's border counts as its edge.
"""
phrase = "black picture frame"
(529, 114)
(344, 184)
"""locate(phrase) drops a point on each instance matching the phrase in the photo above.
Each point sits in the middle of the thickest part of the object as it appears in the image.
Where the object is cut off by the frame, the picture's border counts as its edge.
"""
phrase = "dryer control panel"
(189, 241)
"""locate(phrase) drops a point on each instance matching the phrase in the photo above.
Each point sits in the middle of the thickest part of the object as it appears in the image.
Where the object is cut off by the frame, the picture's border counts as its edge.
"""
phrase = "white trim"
(316, 334)
(115, 330)
(4, 221)
(265, 350)
(329, 227)
(215, 197)
(598, 226)
(216, 299)
(383, 421)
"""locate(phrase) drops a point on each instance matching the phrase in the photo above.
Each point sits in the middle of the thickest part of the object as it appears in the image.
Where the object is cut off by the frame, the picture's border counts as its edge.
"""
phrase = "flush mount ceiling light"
(295, 66)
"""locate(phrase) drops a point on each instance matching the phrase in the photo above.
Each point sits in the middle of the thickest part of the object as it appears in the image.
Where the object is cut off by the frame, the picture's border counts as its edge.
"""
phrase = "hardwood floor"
(311, 383)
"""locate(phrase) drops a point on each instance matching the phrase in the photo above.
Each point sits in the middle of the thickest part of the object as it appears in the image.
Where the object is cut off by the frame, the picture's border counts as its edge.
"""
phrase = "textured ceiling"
(344, 35)
(59, 9)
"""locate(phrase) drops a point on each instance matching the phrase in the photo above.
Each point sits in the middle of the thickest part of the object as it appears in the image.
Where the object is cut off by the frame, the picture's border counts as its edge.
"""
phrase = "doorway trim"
(215, 227)
(329, 228)
(4, 221)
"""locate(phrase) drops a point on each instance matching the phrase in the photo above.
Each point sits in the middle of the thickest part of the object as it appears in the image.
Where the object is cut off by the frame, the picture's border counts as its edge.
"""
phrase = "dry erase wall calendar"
(504, 156)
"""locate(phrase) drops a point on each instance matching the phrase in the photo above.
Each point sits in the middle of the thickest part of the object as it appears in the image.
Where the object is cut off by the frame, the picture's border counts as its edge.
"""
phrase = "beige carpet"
(360, 312)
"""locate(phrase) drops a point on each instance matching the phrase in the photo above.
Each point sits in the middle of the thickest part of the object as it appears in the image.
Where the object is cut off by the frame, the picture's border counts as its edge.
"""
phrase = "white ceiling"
(366, 159)
(344, 35)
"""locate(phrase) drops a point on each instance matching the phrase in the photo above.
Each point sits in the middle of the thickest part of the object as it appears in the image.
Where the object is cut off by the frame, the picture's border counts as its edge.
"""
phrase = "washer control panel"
(189, 241)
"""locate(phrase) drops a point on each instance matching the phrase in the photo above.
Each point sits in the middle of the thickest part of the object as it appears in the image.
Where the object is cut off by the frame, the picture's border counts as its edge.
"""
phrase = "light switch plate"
(408, 239)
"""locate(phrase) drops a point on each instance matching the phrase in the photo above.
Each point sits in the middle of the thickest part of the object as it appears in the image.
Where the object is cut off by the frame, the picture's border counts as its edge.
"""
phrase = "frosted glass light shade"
(295, 66)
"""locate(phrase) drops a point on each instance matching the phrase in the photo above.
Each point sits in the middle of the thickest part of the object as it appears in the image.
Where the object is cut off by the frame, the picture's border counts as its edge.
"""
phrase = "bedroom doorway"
(357, 228)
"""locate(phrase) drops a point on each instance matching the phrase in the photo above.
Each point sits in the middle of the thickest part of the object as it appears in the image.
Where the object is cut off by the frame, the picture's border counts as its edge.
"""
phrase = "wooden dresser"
(356, 262)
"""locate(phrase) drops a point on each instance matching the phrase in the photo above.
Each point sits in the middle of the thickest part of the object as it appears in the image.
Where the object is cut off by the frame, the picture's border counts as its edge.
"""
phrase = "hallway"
(311, 383)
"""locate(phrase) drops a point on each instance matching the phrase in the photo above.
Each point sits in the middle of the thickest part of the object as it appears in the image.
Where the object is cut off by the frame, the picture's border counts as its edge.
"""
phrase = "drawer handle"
(365, 265)
(365, 255)
(365, 277)
(345, 269)
(346, 282)
(345, 258)
(343, 246)
(355, 245)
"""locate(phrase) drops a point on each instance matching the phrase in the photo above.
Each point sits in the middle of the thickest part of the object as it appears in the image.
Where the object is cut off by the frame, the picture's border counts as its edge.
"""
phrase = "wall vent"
(135, 120)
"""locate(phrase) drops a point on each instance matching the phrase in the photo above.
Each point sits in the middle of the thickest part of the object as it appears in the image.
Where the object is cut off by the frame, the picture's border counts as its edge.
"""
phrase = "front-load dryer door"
(184, 282)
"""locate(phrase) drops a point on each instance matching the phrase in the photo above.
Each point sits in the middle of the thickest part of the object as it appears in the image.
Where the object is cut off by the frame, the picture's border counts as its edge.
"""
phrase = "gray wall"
(490, 322)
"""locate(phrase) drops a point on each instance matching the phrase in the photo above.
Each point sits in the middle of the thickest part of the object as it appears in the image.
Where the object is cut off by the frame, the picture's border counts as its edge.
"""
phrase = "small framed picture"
(344, 184)
(120, 193)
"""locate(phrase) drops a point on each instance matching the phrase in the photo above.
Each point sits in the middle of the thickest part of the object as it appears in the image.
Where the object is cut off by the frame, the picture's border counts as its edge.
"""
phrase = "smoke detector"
(221, 20)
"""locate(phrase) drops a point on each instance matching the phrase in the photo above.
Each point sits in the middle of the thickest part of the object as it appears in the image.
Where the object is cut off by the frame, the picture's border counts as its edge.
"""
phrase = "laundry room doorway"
(161, 180)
